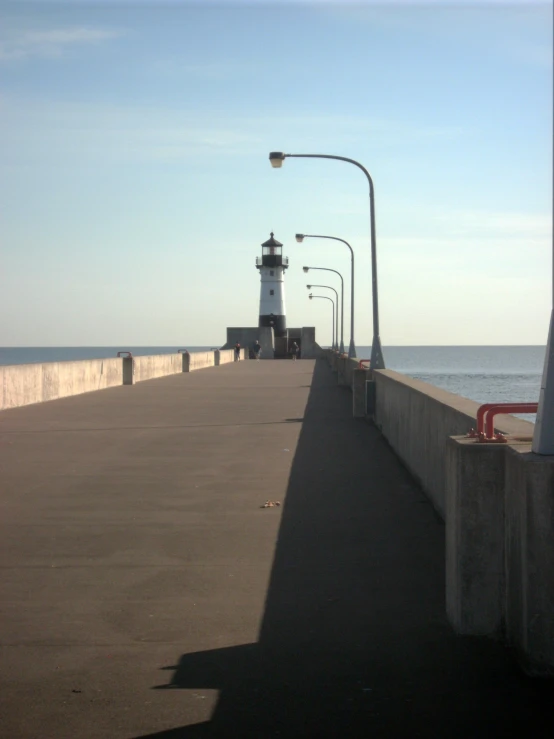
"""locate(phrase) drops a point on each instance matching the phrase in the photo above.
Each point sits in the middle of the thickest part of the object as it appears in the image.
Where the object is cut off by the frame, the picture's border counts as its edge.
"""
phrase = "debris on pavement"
(271, 504)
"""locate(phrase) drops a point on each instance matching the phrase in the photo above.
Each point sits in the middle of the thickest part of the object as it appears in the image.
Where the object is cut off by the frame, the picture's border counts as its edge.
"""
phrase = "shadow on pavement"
(354, 640)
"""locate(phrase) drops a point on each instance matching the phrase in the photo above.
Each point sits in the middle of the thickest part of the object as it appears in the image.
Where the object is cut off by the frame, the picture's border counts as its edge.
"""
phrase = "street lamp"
(352, 346)
(324, 297)
(277, 158)
(328, 269)
(328, 287)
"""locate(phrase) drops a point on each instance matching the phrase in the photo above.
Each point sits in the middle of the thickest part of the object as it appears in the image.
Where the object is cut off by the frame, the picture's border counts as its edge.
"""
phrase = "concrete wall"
(227, 355)
(200, 360)
(34, 383)
(529, 557)
(23, 384)
(499, 546)
(247, 336)
(157, 365)
(417, 419)
(308, 347)
(497, 501)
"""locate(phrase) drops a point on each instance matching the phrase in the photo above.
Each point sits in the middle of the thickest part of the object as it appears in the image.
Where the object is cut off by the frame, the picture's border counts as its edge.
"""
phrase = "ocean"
(481, 373)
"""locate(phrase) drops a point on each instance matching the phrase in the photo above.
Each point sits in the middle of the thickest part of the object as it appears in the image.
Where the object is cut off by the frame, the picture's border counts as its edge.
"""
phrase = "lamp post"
(328, 269)
(352, 345)
(328, 287)
(324, 297)
(277, 158)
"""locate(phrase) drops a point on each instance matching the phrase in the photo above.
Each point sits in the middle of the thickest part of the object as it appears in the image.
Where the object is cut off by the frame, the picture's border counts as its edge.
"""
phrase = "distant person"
(237, 352)
(257, 350)
(295, 351)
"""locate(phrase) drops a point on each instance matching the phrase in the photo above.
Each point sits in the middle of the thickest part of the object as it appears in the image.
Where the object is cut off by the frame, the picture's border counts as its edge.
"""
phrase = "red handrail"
(497, 408)
(361, 361)
(481, 416)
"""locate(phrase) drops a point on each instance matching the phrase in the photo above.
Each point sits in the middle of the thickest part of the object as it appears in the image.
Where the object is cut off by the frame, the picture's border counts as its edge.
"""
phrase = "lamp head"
(305, 269)
(276, 158)
(310, 296)
(309, 287)
(300, 238)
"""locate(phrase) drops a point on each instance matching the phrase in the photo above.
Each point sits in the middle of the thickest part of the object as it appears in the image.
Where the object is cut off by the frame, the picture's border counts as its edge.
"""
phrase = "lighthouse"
(272, 266)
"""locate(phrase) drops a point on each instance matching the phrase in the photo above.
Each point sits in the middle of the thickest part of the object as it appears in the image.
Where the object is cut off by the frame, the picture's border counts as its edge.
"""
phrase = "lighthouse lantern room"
(272, 266)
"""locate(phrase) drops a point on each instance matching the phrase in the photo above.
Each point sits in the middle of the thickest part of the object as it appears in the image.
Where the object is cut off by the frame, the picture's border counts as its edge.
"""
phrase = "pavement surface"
(146, 593)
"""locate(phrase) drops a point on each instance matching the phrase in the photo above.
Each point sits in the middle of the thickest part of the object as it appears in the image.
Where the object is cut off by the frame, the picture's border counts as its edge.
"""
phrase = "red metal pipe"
(498, 408)
(361, 361)
(481, 415)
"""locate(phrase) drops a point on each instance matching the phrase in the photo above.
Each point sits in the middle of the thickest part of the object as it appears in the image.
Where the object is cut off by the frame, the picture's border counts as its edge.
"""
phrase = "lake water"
(481, 373)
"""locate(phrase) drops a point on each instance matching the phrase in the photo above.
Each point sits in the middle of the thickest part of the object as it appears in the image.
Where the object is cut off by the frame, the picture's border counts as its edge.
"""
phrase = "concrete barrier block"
(359, 402)
(128, 371)
(530, 558)
(185, 362)
(216, 358)
(475, 536)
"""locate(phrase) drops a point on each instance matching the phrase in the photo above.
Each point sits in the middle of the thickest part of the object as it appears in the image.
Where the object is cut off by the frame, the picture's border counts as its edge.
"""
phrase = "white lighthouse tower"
(272, 266)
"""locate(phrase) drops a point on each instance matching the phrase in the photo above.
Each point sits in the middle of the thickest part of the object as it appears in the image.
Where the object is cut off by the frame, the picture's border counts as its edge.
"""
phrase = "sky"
(136, 189)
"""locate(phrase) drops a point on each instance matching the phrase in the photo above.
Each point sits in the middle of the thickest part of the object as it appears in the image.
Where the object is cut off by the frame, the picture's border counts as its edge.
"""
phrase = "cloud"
(50, 43)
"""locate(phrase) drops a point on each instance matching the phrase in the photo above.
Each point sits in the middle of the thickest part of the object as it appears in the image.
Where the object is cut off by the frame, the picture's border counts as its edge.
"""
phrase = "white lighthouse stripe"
(272, 291)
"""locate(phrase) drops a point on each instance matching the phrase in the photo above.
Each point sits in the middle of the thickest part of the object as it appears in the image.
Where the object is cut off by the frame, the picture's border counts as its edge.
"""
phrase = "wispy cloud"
(50, 43)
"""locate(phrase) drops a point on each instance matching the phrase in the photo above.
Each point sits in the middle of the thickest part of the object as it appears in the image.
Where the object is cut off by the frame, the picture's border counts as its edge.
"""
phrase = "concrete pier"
(146, 593)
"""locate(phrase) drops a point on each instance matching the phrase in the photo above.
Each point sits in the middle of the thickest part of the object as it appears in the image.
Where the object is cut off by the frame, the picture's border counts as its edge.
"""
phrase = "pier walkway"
(146, 593)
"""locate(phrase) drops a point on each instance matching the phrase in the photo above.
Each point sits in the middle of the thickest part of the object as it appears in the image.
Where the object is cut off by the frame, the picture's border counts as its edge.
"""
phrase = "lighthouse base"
(277, 323)
(275, 347)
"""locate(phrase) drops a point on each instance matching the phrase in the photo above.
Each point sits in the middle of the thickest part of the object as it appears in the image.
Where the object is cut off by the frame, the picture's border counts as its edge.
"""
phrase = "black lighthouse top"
(272, 253)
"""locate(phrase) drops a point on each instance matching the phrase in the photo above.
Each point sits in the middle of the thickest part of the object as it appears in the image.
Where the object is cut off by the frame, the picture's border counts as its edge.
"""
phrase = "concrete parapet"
(346, 368)
(156, 365)
(24, 384)
(359, 401)
(227, 355)
(417, 419)
(474, 509)
(530, 558)
(200, 360)
(21, 385)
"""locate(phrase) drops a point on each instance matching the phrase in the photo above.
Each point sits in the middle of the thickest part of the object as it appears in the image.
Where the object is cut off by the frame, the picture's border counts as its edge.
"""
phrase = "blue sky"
(136, 187)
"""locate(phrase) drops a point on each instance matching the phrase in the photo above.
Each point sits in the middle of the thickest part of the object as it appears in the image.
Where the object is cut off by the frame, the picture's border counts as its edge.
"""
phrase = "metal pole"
(352, 347)
(543, 436)
(324, 297)
(377, 359)
(328, 269)
(328, 287)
